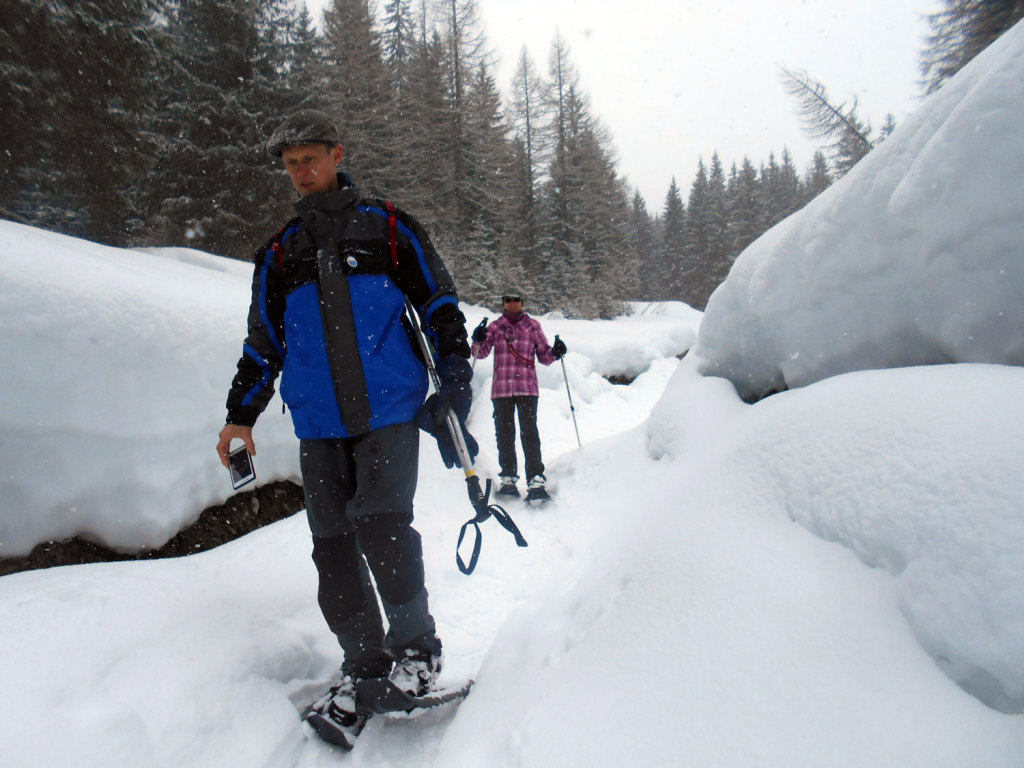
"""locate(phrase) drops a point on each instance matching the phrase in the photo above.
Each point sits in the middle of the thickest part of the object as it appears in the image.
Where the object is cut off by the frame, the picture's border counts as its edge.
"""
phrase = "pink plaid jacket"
(515, 344)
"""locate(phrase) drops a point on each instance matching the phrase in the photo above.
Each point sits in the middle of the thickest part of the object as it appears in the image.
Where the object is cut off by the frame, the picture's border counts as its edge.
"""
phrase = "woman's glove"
(558, 349)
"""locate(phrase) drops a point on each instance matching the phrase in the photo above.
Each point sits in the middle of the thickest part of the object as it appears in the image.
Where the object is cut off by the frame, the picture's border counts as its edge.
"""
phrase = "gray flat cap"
(307, 126)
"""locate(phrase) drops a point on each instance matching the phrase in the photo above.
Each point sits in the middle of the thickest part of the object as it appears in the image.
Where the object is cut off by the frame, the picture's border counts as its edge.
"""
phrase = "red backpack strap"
(276, 247)
(279, 252)
(393, 233)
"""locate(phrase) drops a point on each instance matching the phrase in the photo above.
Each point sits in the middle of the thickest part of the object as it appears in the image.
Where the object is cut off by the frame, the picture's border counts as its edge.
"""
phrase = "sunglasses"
(510, 299)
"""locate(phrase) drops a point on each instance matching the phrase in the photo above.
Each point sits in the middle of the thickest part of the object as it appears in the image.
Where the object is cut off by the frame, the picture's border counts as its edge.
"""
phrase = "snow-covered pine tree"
(672, 266)
(532, 150)
(782, 190)
(615, 269)
(719, 248)
(652, 272)
(398, 39)
(421, 119)
(818, 178)
(586, 209)
(489, 168)
(74, 84)
(358, 95)
(464, 47)
(697, 237)
(221, 91)
(960, 31)
(301, 66)
(746, 210)
(561, 276)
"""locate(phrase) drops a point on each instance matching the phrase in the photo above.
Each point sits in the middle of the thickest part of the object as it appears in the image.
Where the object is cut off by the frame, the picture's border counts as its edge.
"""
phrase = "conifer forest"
(143, 123)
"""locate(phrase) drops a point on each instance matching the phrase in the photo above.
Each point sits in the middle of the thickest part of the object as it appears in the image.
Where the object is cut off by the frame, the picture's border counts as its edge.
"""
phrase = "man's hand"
(229, 433)
(455, 393)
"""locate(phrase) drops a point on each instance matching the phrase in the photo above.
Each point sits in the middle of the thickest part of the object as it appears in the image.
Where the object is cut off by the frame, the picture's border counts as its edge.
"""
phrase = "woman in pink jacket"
(517, 340)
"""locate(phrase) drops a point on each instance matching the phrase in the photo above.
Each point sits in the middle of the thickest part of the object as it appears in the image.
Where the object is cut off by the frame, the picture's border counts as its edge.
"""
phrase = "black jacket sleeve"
(424, 279)
(263, 351)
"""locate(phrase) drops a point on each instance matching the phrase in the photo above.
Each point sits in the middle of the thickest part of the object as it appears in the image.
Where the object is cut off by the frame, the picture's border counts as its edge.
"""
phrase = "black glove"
(480, 332)
(558, 349)
(455, 394)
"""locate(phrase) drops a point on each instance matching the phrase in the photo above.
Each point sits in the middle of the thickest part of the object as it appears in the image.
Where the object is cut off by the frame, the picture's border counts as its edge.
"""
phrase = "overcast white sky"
(675, 80)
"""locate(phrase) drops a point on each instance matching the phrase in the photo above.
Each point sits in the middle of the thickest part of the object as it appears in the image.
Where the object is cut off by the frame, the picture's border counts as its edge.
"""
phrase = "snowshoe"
(416, 671)
(335, 717)
(381, 696)
(536, 493)
(508, 489)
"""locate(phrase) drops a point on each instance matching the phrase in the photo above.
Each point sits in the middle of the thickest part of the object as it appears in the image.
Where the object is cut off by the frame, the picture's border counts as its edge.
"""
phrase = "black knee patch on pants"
(341, 595)
(394, 552)
(349, 605)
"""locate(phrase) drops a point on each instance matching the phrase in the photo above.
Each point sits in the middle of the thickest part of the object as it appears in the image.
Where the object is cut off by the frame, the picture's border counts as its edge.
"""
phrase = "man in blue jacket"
(328, 298)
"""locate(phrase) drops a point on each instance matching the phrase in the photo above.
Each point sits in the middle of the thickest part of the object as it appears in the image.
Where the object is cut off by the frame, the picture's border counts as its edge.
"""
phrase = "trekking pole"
(477, 496)
(572, 408)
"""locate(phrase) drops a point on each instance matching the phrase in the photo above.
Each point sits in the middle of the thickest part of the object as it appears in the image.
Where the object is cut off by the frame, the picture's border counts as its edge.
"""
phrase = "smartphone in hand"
(240, 467)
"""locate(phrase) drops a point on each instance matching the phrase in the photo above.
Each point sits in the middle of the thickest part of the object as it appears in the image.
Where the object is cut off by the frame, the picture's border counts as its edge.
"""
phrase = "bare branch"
(822, 119)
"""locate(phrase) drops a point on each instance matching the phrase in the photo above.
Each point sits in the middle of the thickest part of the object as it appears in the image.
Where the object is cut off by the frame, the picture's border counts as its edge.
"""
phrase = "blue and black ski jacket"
(328, 297)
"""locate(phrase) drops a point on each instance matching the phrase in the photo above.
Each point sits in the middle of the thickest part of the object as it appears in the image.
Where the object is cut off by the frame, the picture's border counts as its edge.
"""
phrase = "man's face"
(312, 167)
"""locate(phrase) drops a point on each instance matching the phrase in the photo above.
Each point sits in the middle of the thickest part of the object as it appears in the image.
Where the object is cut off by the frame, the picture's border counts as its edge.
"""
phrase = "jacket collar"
(319, 211)
(331, 201)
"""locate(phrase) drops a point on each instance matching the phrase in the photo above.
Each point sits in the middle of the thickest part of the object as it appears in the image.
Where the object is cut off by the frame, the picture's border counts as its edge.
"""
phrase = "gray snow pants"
(359, 493)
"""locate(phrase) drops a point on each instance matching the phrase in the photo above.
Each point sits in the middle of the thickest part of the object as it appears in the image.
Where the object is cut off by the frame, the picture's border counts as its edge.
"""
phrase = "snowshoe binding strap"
(380, 696)
(483, 512)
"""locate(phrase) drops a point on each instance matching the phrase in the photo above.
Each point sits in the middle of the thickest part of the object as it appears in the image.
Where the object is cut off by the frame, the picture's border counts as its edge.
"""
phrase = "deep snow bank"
(917, 471)
(915, 257)
(116, 367)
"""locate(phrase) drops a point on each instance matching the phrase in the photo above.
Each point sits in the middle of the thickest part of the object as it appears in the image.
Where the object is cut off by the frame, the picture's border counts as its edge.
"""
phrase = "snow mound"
(893, 465)
(913, 258)
(119, 366)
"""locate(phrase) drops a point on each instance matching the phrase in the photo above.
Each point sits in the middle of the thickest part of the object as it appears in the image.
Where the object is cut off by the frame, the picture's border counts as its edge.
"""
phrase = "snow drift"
(915, 257)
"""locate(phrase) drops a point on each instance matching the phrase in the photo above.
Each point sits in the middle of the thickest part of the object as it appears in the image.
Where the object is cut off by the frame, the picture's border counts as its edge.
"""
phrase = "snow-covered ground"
(833, 576)
(667, 610)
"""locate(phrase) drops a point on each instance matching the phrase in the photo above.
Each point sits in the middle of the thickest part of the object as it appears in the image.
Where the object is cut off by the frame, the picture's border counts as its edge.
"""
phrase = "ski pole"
(572, 408)
(477, 496)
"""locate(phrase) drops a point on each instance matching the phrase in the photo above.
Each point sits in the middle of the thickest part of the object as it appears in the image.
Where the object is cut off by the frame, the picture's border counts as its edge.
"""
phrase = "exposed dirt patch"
(620, 378)
(241, 514)
(627, 379)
